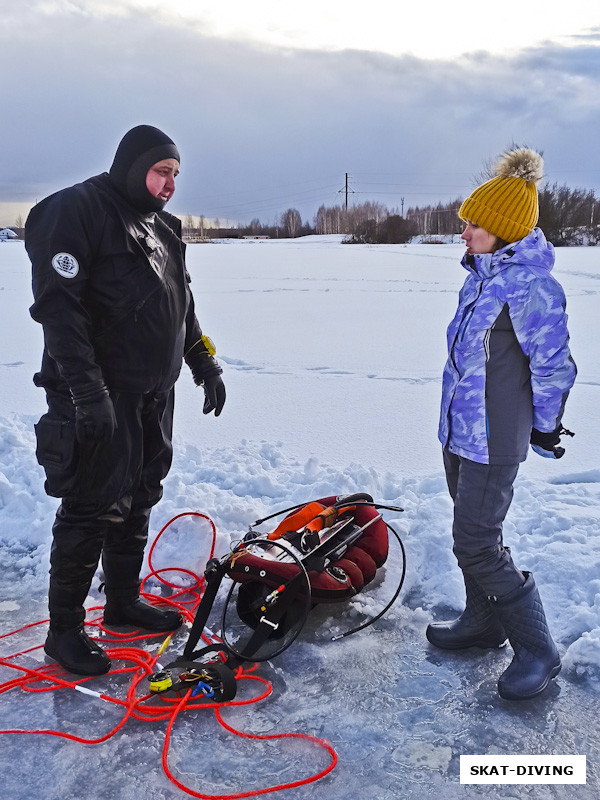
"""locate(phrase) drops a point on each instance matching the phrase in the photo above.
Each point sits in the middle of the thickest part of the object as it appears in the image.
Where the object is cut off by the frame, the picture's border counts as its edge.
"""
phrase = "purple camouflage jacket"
(509, 365)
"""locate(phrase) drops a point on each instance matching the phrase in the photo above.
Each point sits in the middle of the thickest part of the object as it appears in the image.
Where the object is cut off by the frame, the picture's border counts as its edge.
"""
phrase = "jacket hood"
(533, 249)
(138, 150)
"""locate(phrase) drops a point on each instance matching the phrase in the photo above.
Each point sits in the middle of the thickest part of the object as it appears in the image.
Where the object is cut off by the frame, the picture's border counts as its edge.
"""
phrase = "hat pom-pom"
(521, 163)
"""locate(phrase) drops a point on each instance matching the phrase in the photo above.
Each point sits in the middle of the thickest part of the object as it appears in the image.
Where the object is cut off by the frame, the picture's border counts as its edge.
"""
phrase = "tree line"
(567, 217)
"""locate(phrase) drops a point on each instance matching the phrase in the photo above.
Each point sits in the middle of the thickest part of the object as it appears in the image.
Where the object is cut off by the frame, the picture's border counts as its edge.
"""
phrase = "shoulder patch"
(66, 265)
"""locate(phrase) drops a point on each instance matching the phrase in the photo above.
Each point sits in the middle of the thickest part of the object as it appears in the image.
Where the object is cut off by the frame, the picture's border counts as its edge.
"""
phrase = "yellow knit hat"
(507, 205)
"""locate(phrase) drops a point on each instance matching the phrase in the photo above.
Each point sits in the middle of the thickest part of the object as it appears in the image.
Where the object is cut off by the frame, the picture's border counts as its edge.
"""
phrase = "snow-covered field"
(332, 356)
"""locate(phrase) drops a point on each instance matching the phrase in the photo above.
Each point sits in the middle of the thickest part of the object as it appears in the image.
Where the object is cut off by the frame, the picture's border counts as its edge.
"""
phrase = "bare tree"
(568, 216)
(188, 226)
(291, 222)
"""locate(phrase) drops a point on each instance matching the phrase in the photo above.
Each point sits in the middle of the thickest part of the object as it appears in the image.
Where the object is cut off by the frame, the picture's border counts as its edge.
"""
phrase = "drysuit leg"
(123, 554)
(150, 422)
(99, 496)
(76, 546)
(96, 482)
(125, 541)
(74, 557)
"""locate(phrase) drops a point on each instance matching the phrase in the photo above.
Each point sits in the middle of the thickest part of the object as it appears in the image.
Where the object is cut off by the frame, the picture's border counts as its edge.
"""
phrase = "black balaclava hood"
(138, 150)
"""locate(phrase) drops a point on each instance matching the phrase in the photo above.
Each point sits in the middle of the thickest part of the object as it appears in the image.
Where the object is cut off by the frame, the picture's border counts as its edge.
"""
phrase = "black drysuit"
(112, 294)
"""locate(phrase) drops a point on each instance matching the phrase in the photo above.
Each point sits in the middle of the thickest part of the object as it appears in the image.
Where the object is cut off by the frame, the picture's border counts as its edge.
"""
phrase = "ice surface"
(332, 357)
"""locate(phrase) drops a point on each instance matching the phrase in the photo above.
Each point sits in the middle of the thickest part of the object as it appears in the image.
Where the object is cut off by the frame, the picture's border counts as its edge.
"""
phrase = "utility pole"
(346, 190)
(402, 207)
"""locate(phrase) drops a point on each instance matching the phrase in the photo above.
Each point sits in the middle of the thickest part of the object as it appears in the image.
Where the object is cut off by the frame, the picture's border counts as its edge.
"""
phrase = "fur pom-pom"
(521, 163)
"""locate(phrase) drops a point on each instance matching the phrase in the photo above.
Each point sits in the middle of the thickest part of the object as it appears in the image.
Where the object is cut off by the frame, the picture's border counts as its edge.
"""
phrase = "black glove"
(214, 395)
(95, 419)
(207, 372)
(546, 444)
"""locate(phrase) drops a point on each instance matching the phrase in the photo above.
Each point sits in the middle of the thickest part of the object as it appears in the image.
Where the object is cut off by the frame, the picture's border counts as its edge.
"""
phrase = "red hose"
(140, 663)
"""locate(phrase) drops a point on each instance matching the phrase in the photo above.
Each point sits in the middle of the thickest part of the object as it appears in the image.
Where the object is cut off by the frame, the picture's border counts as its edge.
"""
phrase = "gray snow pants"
(482, 494)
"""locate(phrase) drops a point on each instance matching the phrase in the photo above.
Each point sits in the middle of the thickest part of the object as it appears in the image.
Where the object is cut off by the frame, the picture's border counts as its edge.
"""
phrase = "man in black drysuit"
(112, 293)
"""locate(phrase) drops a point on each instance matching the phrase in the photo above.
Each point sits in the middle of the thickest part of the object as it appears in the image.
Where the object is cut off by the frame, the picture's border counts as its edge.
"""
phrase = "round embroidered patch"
(65, 264)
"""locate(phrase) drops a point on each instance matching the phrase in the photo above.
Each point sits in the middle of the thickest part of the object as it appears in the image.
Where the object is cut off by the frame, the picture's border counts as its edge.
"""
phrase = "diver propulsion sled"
(324, 551)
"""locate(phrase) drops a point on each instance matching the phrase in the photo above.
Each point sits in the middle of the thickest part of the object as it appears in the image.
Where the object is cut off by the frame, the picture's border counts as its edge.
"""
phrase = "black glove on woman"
(545, 444)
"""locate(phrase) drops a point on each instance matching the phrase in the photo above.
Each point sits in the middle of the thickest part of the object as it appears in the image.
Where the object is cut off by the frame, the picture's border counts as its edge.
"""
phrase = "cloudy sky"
(271, 102)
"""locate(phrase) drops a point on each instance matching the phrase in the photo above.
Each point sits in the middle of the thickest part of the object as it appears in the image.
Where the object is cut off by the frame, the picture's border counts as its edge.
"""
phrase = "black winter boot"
(132, 610)
(477, 626)
(536, 660)
(76, 652)
(73, 559)
(123, 603)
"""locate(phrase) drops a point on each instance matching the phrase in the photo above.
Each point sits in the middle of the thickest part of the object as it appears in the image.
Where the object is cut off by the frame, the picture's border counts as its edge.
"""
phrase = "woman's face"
(477, 239)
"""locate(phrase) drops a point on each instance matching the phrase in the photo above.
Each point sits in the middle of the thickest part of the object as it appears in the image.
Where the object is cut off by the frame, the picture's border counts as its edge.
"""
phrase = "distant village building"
(6, 234)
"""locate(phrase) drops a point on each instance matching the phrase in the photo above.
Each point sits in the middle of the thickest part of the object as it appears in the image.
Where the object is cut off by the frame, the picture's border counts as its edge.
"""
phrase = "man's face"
(160, 179)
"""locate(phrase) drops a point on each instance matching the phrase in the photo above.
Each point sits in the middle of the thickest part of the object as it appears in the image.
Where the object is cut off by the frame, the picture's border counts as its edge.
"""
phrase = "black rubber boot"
(477, 626)
(122, 560)
(73, 560)
(132, 610)
(536, 660)
(123, 603)
(76, 652)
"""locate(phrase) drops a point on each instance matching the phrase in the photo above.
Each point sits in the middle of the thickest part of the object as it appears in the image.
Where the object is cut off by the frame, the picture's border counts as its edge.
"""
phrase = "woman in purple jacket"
(505, 383)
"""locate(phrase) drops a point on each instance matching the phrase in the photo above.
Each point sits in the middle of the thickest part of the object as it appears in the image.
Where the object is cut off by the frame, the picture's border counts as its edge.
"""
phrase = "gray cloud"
(262, 129)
